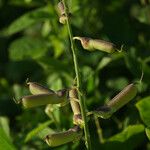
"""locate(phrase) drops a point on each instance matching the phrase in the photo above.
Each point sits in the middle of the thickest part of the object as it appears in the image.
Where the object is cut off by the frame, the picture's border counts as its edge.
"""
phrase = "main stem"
(81, 100)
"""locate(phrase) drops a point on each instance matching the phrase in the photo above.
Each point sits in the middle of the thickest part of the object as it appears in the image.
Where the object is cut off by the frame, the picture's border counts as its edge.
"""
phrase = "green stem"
(81, 100)
(99, 130)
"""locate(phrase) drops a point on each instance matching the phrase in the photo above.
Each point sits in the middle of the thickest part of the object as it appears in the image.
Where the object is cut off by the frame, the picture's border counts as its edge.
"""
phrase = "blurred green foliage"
(34, 45)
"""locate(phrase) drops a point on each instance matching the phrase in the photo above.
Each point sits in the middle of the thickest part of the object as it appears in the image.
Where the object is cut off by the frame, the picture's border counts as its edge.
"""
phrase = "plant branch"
(99, 130)
(78, 77)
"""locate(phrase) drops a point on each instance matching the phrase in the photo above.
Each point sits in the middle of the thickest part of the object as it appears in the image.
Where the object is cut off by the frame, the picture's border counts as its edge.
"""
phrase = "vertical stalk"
(99, 130)
(81, 100)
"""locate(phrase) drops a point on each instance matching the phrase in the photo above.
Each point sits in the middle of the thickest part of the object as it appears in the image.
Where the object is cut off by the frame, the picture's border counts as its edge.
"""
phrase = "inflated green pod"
(43, 99)
(96, 44)
(36, 88)
(60, 138)
(127, 94)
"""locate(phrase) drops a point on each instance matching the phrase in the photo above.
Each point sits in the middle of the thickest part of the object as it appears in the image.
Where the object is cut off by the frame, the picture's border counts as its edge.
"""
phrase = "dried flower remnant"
(63, 16)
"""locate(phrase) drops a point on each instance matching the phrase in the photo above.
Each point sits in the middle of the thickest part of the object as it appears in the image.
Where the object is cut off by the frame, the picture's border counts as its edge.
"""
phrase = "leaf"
(132, 62)
(36, 131)
(143, 107)
(127, 133)
(4, 124)
(43, 133)
(147, 130)
(142, 14)
(55, 82)
(54, 65)
(117, 84)
(27, 20)
(27, 47)
(23, 3)
(104, 62)
(129, 139)
(5, 143)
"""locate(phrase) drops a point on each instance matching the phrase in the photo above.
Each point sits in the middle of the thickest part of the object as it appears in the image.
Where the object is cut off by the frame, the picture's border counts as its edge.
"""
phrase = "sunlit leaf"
(5, 143)
(143, 107)
(147, 130)
(129, 139)
(127, 133)
(4, 123)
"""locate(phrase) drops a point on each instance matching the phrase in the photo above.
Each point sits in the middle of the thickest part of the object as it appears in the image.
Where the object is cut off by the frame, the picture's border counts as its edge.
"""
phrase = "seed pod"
(43, 99)
(57, 139)
(73, 96)
(93, 44)
(127, 94)
(36, 88)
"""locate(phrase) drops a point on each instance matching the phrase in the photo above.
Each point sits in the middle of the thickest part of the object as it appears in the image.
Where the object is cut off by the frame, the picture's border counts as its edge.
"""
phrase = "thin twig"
(99, 130)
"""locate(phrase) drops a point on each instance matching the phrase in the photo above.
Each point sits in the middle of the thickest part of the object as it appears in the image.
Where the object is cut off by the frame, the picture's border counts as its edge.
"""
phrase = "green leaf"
(129, 139)
(127, 133)
(36, 131)
(104, 62)
(5, 143)
(54, 65)
(147, 130)
(4, 124)
(142, 14)
(43, 133)
(143, 107)
(132, 62)
(27, 20)
(117, 84)
(55, 82)
(27, 47)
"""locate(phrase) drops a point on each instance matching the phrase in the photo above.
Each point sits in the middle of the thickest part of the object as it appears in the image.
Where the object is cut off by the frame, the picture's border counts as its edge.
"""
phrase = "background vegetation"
(34, 45)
